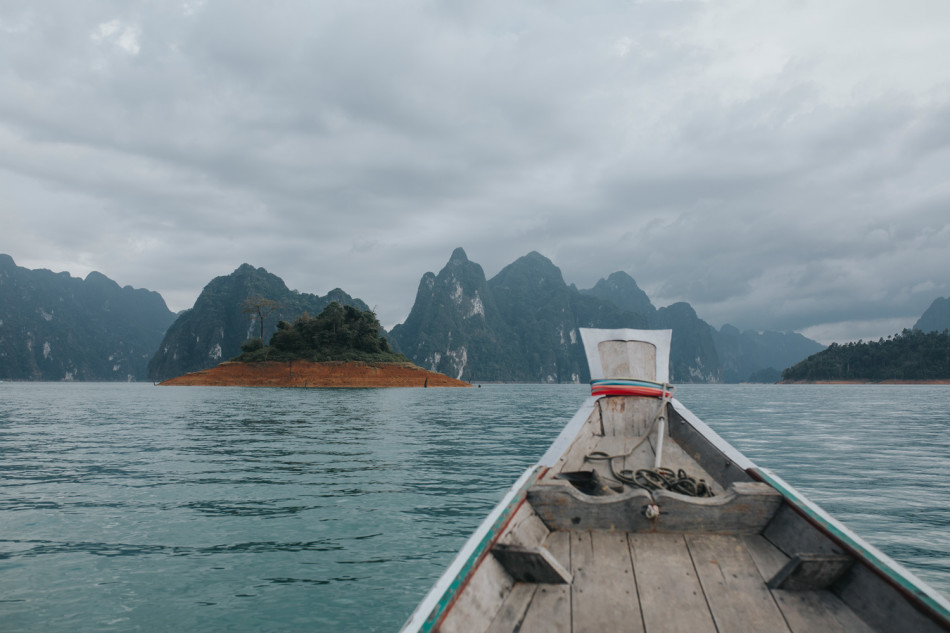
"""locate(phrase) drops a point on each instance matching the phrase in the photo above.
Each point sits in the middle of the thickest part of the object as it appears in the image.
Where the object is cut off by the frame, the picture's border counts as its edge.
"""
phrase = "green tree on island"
(259, 308)
(338, 333)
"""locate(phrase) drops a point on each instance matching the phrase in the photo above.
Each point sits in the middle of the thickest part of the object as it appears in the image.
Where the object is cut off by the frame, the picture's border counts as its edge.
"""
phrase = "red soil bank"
(301, 373)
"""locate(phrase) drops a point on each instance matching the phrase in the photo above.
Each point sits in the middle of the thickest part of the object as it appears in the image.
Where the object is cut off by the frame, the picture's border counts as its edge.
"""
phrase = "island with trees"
(341, 347)
(911, 356)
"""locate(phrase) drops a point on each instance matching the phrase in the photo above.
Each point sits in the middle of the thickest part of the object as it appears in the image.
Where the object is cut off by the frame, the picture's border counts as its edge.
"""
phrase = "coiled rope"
(657, 478)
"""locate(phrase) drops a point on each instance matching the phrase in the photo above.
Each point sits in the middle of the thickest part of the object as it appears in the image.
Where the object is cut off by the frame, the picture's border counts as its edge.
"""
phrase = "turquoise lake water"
(128, 507)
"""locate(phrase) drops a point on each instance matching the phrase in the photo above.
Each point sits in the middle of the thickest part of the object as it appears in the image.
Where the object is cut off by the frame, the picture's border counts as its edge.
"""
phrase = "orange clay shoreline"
(300, 373)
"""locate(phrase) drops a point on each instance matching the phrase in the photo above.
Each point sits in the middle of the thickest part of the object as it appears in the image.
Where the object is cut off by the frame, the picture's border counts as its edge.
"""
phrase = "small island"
(341, 347)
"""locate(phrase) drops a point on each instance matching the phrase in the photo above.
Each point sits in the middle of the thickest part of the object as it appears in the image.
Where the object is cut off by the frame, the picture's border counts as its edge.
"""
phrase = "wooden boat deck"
(666, 582)
(580, 545)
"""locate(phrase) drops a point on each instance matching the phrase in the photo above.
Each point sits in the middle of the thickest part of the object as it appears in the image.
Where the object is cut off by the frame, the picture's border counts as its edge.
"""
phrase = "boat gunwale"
(914, 589)
(439, 600)
(429, 614)
(910, 586)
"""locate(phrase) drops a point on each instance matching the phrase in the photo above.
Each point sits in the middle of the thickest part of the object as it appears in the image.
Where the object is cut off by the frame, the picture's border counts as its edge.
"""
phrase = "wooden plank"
(550, 610)
(808, 611)
(512, 612)
(737, 595)
(604, 593)
(807, 572)
(744, 509)
(879, 602)
(526, 528)
(628, 359)
(561, 507)
(803, 611)
(531, 564)
(794, 535)
(628, 416)
(587, 438)
(768, 558)
(481, 600)
(721, 465)
(671, 597)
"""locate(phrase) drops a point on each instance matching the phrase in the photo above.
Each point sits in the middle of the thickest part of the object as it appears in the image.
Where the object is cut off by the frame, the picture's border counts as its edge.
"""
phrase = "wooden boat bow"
(576, 544)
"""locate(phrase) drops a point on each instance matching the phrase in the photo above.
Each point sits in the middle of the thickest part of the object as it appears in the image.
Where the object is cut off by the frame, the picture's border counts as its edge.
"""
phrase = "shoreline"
(307, 374)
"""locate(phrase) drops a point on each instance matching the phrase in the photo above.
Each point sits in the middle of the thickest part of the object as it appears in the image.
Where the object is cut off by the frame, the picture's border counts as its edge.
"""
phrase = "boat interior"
(590, 547)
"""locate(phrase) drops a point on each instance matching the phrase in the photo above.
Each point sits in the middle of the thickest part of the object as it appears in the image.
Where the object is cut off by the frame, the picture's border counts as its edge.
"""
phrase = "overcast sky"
(779, 165)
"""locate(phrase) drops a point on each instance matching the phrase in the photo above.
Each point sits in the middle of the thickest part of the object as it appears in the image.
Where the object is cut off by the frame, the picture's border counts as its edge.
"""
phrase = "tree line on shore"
(908, 355)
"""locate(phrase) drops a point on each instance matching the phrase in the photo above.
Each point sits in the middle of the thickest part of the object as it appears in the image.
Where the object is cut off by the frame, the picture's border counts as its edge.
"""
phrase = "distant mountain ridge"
(936, 318)
(57, 327)
(521, 326)
(214, 328)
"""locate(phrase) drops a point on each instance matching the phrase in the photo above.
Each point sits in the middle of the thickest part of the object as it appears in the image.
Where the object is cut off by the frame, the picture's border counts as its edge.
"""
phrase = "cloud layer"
(778, 165)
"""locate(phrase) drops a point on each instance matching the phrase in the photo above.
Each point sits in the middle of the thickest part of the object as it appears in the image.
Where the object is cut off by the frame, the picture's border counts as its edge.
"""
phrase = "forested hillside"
(910, 355)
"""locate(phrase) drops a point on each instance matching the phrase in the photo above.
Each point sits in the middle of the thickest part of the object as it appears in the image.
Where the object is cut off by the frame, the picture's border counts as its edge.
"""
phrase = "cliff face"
(57, 327)
(521, 326)
(300, 373)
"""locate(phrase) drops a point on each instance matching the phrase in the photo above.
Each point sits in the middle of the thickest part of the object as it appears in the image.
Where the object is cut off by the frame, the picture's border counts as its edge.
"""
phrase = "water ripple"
(128, 507)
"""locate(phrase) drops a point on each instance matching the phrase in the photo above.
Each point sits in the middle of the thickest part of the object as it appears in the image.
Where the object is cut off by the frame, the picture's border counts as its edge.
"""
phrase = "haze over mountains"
(521, 325)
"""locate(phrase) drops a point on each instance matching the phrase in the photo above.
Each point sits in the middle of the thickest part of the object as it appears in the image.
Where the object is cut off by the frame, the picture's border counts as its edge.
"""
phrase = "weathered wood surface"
(491, 588)
(736, 592)
(819, 612)
(481, 600)
(703, 565)
(628, 359)
(744, 509)
(525, 528)
(881, 603)
(670, 583)
(587, 438)
(531, 564)
(804, 611)
(512, 613)
(561, 507)
(794, 535)
(805, 572)
(550, 609)
(628, 416)
(700, 450)
(671, 597)
(604, 594)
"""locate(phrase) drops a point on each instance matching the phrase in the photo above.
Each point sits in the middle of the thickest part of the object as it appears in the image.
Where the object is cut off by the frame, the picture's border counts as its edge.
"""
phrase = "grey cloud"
(722, 154)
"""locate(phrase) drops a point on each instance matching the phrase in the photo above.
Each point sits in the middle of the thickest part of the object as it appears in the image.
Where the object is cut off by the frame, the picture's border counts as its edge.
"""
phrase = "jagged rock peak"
(458, 255)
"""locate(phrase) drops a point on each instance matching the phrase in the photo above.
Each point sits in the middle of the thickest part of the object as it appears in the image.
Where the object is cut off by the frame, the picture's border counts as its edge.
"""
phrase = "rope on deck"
(656, 478)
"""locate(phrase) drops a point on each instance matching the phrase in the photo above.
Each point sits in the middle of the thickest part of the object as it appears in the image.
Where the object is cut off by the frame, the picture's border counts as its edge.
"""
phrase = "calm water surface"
(136, 508)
